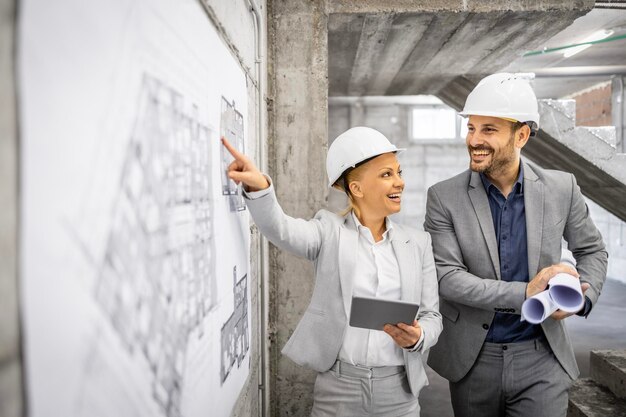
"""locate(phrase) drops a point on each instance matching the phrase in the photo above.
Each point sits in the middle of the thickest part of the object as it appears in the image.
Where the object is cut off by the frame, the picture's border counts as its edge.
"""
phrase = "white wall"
(234, 20)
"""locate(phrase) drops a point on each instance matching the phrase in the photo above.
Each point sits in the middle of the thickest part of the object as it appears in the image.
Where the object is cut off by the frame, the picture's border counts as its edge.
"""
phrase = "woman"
(361, 253)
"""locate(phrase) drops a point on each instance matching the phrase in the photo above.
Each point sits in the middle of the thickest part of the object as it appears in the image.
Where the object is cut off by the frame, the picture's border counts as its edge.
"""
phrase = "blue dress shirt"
(509, 222)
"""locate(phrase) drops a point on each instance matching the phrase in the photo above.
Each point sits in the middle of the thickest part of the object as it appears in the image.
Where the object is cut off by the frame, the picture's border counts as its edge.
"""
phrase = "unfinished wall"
(298, 84)
(593, 106)
(11, 399)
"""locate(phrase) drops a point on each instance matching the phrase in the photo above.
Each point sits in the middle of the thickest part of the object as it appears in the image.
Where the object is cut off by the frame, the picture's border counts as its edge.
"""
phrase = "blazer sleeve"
(429, 317)
(298, 236)
(585, 242)
(455, 282)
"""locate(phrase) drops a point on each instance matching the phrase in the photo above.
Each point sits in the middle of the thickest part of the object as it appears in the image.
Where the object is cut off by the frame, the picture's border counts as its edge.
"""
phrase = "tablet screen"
(374, 313)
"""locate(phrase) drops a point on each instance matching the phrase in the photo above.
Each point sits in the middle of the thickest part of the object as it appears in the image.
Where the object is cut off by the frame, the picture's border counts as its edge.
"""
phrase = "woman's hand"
(242, 169)
(405, 336)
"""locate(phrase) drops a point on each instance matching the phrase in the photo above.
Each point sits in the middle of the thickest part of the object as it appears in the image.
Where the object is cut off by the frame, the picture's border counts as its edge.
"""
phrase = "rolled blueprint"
(538, 307)
(566, 293)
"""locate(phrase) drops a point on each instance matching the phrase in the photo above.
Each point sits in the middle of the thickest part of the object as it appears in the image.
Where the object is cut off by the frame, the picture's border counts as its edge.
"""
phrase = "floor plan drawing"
(235, 333)
(156, 283)
(231, 128)
(135, 248)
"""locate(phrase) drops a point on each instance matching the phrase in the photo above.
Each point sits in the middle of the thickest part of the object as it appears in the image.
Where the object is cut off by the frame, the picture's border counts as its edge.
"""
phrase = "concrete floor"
(604, 329)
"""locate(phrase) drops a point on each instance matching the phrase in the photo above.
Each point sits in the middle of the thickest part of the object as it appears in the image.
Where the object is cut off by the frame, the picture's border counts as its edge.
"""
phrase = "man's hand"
(242, 169)
(540, 282)
(404, 335)
(560, 315)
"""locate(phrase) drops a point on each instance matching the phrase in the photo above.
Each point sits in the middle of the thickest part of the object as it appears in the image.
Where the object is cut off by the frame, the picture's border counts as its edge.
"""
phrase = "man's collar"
(519, 183)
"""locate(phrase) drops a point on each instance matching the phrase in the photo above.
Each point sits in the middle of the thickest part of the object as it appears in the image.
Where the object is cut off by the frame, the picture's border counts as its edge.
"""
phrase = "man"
(497, 230)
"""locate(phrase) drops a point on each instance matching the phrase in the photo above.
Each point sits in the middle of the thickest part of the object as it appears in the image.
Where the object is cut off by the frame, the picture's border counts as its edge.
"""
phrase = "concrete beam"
(407, 6)
(537, 27)
(439, 32)
(406, 32)
(393, 6)
(424, 49)
(11, 390)
(371, 45)
(344, 33)
(466, 45)
(455, 92)
(529, 5)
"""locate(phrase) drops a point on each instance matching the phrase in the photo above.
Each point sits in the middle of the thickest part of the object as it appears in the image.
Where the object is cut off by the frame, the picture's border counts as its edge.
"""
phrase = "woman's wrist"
(259, 186)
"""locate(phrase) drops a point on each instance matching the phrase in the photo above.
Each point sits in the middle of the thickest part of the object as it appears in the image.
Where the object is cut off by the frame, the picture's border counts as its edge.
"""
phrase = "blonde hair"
(343, 184)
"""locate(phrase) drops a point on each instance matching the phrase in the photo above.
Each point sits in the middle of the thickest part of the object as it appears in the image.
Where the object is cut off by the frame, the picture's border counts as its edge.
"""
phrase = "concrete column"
(297, 122)
(11, 393)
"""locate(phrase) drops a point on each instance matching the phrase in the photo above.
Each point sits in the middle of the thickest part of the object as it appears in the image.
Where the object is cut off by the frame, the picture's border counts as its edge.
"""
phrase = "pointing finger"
(234, 152)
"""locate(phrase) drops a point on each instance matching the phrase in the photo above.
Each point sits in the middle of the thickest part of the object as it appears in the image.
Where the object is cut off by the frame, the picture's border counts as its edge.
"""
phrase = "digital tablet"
(374, 313)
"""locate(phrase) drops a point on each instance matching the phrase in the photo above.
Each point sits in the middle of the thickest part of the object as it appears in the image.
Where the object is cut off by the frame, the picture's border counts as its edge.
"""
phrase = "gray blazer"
(329, 241)
(466, 253)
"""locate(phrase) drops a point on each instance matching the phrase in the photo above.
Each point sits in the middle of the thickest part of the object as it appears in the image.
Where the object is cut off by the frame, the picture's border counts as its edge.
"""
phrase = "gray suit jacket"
(466, 253)
(329, 241)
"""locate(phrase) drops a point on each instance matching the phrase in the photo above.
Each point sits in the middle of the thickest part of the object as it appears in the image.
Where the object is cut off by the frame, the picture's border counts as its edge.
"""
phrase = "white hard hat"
(504, 95)
(354, 146)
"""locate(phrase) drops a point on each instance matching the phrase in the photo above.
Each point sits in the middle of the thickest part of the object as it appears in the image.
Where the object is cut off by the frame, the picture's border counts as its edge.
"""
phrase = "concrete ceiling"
(412, 53)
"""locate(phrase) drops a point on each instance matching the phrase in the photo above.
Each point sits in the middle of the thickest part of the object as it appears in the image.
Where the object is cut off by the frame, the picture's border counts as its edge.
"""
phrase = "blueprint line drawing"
(156, 282)
(235, 335)
(231, 128)
(129, 242)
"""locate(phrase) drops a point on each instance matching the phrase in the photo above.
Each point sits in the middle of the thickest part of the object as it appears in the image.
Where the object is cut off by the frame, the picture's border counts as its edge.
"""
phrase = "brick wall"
(593, 106)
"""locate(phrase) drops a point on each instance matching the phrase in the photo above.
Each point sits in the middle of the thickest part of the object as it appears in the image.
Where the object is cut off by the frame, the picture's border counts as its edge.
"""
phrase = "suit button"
(504, 347)
(486, 326)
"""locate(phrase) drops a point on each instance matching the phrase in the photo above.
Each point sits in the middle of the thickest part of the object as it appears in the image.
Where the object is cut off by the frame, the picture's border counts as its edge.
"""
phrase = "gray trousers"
(351, 391)
(513, 380)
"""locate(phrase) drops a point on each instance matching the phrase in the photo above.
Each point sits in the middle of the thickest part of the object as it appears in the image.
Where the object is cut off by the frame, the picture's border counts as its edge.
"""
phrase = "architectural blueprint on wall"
(231, 128)
(135, 259)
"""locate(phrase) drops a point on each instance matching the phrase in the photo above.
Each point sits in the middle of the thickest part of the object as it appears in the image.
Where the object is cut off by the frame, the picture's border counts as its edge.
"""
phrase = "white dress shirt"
(376, 275)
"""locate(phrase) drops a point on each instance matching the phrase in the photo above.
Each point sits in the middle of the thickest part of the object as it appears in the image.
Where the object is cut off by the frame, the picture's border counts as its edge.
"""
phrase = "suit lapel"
(533, 206)
(478, 196)
(348, 249)
(406, 262)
